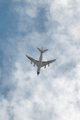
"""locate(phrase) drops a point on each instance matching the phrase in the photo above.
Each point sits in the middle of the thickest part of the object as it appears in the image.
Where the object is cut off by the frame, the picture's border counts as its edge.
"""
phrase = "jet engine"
(45, 67)
(34, 65)
(31, 62)
(48, 65)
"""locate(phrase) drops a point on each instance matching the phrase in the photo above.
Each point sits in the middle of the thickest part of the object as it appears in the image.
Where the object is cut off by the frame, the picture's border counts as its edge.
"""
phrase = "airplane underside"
(40, 63)
(38, 71)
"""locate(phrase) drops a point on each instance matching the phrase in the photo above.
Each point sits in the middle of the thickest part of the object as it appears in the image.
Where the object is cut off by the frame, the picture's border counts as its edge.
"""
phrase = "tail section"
(42, 51)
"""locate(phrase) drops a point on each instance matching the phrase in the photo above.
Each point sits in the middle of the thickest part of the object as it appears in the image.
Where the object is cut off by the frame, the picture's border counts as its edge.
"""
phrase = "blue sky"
(55, 93)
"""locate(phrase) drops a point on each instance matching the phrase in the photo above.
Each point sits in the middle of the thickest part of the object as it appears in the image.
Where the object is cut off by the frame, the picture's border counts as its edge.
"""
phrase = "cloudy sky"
(24, 26)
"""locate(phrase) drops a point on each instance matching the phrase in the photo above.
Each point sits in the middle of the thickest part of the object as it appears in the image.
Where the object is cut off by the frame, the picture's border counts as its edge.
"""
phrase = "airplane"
(40, 63)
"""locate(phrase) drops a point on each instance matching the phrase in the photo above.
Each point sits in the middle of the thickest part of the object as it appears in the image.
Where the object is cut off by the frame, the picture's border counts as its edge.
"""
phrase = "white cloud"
(40, 95)
(61, 3)
(4, 105)
(55, 93)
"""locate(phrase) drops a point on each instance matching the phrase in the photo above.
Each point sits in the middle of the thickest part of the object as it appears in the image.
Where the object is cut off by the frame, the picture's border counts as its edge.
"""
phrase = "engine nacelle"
(31, 62)
(44, 66)
(34, 65)
(48, 65)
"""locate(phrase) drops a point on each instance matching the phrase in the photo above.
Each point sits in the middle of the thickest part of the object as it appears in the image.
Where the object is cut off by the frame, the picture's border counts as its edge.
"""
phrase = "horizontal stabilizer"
(42, 51)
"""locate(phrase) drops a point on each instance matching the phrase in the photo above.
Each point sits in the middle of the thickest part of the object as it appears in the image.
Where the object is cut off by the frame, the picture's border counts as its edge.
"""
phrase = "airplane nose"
(38, 73)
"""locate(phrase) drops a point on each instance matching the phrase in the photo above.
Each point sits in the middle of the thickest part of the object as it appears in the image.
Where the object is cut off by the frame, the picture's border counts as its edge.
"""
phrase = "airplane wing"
(33, 61)
(44, 63)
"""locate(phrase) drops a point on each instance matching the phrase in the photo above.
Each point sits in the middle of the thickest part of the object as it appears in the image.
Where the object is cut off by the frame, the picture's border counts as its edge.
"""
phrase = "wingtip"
(26, 55)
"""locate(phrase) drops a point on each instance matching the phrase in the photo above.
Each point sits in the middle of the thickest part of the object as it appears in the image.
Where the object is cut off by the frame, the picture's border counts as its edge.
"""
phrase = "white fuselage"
(40, 63)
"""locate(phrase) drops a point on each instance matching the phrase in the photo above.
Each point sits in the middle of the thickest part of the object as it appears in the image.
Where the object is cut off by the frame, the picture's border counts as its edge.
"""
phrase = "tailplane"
(42, 51)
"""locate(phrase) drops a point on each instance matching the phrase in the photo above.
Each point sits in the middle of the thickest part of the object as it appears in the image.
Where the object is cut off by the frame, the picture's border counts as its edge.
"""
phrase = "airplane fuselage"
(40, 63)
